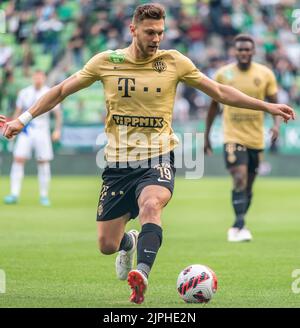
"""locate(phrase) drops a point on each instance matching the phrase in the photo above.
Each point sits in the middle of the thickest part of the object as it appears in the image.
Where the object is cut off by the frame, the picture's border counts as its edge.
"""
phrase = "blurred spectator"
(5, 54)
(201, 29)
(76, 45)
(48, 29)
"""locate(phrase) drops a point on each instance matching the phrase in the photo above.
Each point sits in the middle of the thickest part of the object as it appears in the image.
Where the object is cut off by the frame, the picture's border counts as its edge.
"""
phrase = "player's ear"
(132, 29)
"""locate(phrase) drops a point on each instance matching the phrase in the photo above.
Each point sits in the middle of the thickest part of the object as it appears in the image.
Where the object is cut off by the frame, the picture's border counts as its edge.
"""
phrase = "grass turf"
(51, 259)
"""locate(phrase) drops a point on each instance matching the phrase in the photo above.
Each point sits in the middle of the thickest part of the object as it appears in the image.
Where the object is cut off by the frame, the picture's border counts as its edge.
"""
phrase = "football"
(197, 284)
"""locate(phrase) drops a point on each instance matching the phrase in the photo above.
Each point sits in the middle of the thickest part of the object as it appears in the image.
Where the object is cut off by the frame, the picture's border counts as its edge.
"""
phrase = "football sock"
(249, 195)
(16, 177)
(149, 242)
(44, 175)
(239, 202)
(126, 243)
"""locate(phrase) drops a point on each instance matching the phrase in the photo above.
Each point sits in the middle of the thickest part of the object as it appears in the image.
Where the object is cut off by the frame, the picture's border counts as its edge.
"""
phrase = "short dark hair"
(244, 38)
(149, 11)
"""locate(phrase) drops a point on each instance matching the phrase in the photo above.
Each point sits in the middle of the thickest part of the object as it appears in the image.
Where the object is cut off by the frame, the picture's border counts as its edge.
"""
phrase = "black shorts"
(236, 154)
(122, 186)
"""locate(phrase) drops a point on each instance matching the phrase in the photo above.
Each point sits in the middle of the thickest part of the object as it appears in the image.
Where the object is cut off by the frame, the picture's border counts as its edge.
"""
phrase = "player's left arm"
(56, 134)
(230, 96)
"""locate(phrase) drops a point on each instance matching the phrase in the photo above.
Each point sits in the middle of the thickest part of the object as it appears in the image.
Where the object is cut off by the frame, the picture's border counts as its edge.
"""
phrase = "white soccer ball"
(197, 284)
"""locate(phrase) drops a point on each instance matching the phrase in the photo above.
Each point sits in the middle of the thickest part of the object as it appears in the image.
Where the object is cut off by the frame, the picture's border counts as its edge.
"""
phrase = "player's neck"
(136, 53)
(38, 87)
(244, 67)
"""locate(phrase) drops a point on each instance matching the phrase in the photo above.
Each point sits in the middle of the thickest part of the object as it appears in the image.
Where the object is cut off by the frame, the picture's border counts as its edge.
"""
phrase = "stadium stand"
(58, 36)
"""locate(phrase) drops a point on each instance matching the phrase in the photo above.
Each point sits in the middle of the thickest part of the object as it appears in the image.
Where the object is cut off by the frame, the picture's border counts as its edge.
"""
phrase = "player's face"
(39, 79)
(148, 35)
(244, 50)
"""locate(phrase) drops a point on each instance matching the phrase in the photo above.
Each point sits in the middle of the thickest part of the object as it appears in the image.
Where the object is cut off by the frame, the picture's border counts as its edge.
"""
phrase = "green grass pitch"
(50, 255)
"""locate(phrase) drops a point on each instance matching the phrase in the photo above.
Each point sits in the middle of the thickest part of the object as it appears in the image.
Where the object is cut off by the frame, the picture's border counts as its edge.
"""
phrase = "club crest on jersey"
(117, 57)
(228, 74)
(159, 65)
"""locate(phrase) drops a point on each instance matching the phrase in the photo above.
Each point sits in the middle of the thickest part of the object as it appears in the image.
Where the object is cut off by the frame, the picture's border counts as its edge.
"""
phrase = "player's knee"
(240, 182)
(151, 206)
(107, 247)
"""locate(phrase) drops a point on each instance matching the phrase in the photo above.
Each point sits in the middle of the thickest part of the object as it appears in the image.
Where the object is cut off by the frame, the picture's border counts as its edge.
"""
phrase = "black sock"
(239, 202)
(126, 243)
(249, 196)
(149, 242)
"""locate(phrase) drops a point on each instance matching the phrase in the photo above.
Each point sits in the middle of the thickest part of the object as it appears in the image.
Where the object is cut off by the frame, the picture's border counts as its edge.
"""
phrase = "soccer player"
(35, 136)
(243, 128)
(140, 85)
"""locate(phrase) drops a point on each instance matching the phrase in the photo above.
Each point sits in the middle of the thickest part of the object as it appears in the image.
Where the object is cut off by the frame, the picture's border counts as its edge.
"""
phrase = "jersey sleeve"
(91, 72)
(187, 71)
(272, 88)
(218, 76)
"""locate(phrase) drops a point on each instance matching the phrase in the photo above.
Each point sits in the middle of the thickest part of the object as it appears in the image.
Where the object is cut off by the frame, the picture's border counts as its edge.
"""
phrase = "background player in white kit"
(35, 136)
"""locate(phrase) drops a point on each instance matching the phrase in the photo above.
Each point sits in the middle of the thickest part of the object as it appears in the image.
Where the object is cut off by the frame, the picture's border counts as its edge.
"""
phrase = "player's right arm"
(52, 98)
(213, 111)
(82, 79)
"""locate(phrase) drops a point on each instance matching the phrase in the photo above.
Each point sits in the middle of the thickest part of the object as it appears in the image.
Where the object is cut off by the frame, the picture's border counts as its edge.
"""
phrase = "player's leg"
(151, 202)
(44, 176)
(236, 160)
(112, 236)
(253, 164)
(44, 154)
(114, 211)
(250, 183)
(239, 198)
(22, 152)
(16, 178)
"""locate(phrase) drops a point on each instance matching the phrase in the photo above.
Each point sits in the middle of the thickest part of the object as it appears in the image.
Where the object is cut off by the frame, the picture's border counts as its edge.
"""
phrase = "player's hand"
(274, 133)
(207, 147)
(56, 135)
(282, 110)
(12, 128)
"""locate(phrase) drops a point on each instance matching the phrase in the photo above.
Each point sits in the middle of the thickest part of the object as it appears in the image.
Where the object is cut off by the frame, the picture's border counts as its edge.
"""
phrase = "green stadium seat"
(8, 39)
(43, 62)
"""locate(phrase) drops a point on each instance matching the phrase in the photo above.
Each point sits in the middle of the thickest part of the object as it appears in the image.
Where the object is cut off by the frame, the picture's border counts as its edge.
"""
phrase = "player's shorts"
(35, 140)
(122, 186)
(237, 154)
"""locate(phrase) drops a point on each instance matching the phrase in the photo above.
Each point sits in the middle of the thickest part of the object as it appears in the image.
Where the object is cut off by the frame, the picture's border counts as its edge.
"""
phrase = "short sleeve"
(91, 72)
(218, 76)
(187, 71)
(272, 85)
